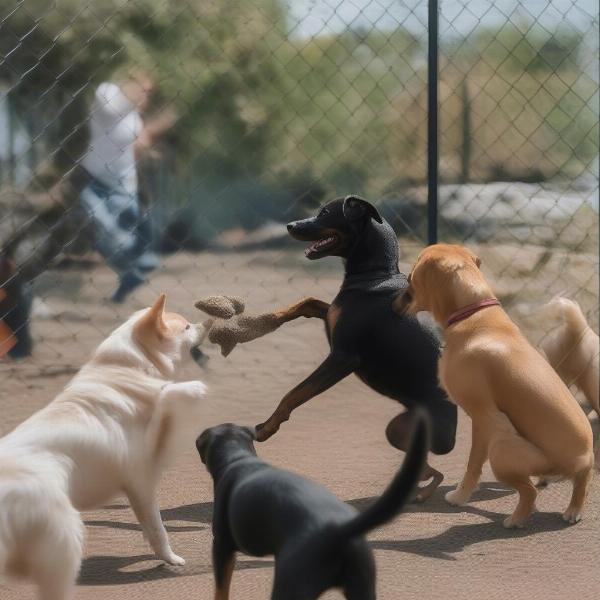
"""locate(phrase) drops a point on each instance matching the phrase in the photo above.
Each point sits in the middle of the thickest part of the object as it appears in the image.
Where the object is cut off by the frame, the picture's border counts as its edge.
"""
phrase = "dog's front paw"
(513, 522)
(457, 497)
(197, 389)
(264, 431)
(172, 559)
(190, 389)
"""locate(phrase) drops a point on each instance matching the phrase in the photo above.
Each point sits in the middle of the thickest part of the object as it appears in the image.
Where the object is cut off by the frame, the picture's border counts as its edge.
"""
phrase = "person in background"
(118, 138)
(97, 199)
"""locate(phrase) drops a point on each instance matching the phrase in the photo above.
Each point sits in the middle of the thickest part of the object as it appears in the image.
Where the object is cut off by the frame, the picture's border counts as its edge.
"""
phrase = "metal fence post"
(432, 124)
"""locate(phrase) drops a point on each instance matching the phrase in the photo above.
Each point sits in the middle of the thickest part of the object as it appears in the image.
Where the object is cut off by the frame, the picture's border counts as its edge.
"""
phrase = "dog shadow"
(458, 537)
(117, 570)
(200, 512)
(437, 503)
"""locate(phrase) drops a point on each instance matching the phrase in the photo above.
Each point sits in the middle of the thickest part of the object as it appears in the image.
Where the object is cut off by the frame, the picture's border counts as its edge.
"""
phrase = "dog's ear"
(154, 320)
(251, 431)
(202, 444)
(471, 255)
(356, 208)
(157, 313)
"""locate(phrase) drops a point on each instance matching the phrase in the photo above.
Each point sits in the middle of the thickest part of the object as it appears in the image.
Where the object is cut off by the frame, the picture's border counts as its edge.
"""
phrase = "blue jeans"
(122, 235)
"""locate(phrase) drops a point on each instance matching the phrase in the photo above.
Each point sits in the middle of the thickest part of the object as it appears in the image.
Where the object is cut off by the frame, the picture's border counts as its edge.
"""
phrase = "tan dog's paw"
(457, 497)
(513, 522)
(571, 516)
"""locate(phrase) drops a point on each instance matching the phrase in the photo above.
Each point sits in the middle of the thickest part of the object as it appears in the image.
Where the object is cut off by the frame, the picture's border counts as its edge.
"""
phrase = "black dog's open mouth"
(322, 246)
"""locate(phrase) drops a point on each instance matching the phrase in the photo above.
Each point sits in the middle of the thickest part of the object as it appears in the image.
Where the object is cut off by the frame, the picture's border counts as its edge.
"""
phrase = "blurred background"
(272, 107)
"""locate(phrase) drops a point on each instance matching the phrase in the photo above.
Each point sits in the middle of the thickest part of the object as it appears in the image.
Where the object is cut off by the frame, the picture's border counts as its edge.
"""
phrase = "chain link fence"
(259, 110)
(170, 142)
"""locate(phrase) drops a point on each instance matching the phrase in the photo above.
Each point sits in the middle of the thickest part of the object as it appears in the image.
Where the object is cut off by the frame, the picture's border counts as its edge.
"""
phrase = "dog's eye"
(187, 326)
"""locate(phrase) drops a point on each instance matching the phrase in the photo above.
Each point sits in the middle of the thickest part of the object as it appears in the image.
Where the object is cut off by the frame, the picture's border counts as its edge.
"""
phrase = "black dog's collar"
(375, 281)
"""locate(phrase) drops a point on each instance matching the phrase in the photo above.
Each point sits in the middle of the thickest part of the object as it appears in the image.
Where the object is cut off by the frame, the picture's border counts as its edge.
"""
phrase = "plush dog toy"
(229, 326)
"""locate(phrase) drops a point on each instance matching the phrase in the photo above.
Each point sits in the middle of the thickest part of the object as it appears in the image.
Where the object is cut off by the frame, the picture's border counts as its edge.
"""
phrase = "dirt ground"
(432, 551)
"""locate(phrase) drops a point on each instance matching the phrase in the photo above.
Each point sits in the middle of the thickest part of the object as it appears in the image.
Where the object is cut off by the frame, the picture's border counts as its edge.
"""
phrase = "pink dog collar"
(467, 311)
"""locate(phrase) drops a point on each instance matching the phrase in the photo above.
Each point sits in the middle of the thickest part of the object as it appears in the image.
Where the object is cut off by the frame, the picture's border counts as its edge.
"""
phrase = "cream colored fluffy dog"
(524, 419)
(573, 349)
(112, 430)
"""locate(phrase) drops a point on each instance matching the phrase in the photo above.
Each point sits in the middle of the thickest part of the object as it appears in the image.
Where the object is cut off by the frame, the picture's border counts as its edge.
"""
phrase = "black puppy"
(316, 538)
(395, 355)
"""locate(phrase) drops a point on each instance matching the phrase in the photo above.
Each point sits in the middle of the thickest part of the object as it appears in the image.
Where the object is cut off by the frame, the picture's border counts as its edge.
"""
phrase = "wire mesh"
(262, 110)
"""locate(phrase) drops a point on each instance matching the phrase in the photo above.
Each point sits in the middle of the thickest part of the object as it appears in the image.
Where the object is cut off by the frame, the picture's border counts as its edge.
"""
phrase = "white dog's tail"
(569, 312)
(41, 533)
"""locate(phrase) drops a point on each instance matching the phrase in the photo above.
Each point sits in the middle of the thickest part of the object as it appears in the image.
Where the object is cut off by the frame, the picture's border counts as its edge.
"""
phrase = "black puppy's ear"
(356, 208)
(202, 444)
(251, 431)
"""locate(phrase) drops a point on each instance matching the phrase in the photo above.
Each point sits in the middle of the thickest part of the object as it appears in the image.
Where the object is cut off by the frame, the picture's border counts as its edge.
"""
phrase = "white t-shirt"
(114, 127)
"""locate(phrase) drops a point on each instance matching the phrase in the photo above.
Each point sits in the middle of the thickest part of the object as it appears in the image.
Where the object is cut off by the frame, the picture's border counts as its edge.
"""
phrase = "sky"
(311, 17)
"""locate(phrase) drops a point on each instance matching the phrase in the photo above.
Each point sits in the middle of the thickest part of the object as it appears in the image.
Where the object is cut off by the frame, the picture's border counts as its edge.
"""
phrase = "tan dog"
(111, 431)
(524, 419)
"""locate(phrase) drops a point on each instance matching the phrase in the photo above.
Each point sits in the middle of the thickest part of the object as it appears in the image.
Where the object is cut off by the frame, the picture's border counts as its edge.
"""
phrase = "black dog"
(395, 355)
(316, 538)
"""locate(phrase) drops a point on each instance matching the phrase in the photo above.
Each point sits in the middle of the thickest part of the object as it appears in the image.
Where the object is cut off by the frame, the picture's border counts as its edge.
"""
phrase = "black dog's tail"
(397, 494)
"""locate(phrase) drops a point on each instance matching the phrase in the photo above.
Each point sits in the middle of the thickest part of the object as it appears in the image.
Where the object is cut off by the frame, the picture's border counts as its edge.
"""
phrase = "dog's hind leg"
(581, 486)
(223, 564)
(299, 575)
(60, 583)
(57, 558)
(359, 571)
(143, 502)
(513, 459)
(398, 433)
